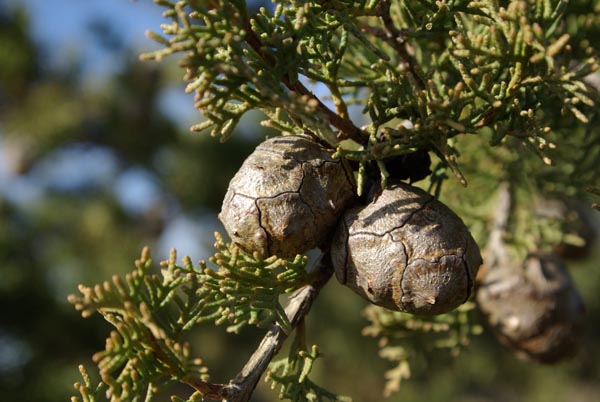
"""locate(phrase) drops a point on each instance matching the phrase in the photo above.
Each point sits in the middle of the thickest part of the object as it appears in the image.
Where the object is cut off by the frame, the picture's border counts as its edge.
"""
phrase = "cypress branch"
(151, 314)
(500, 92)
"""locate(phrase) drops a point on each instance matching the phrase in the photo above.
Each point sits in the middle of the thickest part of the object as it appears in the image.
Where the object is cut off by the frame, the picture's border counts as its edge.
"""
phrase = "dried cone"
(534, 309)
(286, 197)
(406, 251)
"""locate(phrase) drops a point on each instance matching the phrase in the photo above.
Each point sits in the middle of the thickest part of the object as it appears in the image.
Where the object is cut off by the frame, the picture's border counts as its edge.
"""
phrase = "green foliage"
(152, 313)
(405, 338)
(449, 68)
(88, 390)
(245, 289)
(499, 91)
(291, 374)
(145, 351)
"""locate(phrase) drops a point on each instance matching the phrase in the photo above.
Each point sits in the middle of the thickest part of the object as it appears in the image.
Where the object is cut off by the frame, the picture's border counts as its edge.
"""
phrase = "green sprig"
(403, 336)
(151, 313)
(242, 289)
(145, 352)
(291, 375)
(448, 68)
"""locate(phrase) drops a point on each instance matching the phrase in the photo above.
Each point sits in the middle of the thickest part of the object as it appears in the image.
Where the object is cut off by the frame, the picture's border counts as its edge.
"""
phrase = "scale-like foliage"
(403, 337)
(244, 289)
(291, 374)
(449, 68)
(145, 351)
(500, 91)
(151, 314)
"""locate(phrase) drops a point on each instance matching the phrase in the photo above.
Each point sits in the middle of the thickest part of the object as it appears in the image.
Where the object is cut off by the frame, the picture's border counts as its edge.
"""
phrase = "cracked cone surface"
(535, 309)
(286, 197)
(406, 251)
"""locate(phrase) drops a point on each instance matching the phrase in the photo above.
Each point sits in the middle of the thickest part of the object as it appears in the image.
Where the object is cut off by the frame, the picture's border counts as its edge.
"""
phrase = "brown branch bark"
(495, 253)
(347, 129)
(240, 389)
(395, 38)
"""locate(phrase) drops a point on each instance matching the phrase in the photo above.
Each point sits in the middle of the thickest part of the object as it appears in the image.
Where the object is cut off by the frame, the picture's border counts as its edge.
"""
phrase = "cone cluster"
(403, 250)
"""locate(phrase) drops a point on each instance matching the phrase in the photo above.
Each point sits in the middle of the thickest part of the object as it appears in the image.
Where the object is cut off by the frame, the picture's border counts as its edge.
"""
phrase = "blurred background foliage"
(95, 166)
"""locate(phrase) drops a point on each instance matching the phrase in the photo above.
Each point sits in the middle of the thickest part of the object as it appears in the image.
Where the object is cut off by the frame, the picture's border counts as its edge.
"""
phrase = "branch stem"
(347, 129)
(495, 250)
(240, 389)
(395, 38)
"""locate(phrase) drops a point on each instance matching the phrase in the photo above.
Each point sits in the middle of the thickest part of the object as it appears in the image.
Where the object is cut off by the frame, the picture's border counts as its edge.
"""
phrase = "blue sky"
(61, 28)
(62, 25)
